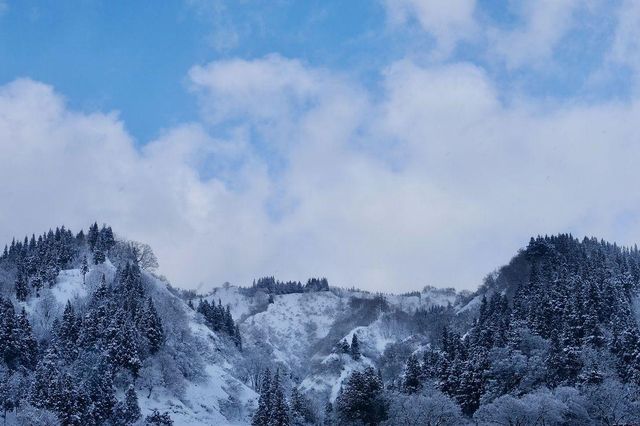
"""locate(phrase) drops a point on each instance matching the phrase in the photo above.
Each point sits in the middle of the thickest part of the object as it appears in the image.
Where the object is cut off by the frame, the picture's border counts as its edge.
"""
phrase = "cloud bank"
(298, 171)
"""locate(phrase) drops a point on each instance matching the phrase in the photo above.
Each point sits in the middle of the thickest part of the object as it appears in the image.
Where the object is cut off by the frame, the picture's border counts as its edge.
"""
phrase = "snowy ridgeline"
(89, 335)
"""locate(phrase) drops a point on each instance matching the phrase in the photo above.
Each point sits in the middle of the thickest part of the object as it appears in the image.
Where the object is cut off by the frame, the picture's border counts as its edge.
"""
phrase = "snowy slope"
(203, 401)
(301, 329)
(241, 306)
(293, 324)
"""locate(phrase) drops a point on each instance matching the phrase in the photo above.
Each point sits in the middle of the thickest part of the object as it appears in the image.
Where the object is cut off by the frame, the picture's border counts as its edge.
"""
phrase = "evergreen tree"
(343, 347)
(27, 344)
(329, 416)
(361, 399)
(355, 347)
(279, 412)
(68, 333)
(9, 338)
(92, 236)
(101, 393)
(21, 287)
(106, 239)
(153, 327)
(129, 412)
(99, 256)
(43, 391)
(122, 344)
(412, 383)
(84, 269)
(263, 414)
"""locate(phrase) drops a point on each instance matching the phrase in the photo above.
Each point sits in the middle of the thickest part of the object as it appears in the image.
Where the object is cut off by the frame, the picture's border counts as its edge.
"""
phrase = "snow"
(292, 325)
(201, 402)
(473, 303)
(69, 286)
(331, 382)
(239, 304)
(294, 322)
(427, 298)
(374, 334)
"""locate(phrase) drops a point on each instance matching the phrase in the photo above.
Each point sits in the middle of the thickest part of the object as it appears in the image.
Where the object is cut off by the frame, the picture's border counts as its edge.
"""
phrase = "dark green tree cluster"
(301, 413)
(100, 241)
(354, 349)
(18, 347)
(116, 331)
(220, 320)
(562, 305)
(36, 262)
(361, 399)
(272, 286)
(273, 409)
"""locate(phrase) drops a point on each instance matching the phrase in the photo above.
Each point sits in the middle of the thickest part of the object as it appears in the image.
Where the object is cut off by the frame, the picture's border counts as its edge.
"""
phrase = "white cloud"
(449, 22)
(626, 44)
(531, 39)
(464, 184)
(545, 22)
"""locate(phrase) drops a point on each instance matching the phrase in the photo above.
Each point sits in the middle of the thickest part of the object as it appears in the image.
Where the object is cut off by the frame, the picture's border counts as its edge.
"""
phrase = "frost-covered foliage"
(84, 331)
(429, 408)
(88, 335)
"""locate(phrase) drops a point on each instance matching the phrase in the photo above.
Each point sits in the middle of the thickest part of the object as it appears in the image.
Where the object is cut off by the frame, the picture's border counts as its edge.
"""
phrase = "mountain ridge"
(220, 353)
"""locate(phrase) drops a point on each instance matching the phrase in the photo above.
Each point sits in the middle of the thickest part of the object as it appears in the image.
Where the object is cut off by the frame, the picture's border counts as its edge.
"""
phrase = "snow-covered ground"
(293, 323)
(299, 329)
(201, 403)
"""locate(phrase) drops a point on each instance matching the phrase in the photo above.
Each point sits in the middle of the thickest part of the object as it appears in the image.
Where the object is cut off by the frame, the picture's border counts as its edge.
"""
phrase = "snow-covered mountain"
(299, 331)
(200, 375)
(204, 399)
(89, 334)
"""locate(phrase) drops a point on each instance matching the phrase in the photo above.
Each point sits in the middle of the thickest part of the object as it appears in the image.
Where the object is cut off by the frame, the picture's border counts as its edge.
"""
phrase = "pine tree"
(84, 269)
(263, 413)
(27, 344)
(279, 413)
(7, 402)
(129, 412)
(297, 408)
(99, 256)
(101, 393)
(9, 338)
(361, 399)
(106, 239)
(92, 236)
(22, 289)
(343, 347)
(355, 347)
(237, 338)
(123, 344)
(329, 416)
(68, 333)
(43, 391)
(412, 383)
(301, 412)
(153, 327)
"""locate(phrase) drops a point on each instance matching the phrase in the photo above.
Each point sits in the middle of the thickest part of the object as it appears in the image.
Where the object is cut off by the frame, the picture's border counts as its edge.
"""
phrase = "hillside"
(552, 335)
(72, 317)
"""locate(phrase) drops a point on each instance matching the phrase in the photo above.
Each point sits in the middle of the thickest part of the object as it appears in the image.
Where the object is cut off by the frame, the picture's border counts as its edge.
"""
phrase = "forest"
(551, 338)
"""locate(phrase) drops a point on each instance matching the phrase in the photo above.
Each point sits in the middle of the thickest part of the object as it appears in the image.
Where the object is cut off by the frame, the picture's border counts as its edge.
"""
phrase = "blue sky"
(133, 57)
(375, 142)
